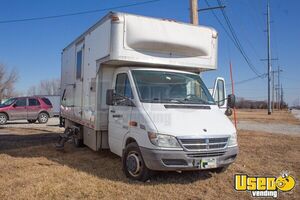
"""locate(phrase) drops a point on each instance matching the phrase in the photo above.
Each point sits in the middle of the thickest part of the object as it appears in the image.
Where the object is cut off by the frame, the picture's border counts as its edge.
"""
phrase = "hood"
(3, 106)
(189, 120)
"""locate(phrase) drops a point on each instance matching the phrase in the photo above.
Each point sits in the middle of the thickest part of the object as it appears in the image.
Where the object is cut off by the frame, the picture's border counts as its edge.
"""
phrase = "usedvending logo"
(262, 186)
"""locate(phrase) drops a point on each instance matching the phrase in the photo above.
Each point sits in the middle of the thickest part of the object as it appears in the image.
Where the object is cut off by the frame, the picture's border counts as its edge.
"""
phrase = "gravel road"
(51, 125)
(276, 128)
(270, 127)
(296, 113)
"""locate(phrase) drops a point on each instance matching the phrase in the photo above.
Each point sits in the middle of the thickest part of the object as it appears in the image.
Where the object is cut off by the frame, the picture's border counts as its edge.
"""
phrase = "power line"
(237, 42)
(224, 28)
(250, 79)
(234, 42)
(76, 13)
(237, 45)
(253, 16)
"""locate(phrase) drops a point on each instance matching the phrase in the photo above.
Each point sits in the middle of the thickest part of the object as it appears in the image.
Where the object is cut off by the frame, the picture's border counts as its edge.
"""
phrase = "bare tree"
(7, 82)
(32, 91)
(45, 87)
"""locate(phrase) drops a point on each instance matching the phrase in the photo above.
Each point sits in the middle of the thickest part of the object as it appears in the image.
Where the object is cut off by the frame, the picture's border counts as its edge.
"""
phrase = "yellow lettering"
(251, 182)
(271, 184)
(240, 182)
(261, 183)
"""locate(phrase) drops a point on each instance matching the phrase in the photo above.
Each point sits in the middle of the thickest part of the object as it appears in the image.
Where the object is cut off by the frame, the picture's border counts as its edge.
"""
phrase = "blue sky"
(34, 47)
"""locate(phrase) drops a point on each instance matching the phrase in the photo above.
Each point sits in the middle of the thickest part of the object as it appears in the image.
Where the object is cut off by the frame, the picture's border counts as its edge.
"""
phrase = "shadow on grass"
(14, 141)
(102, 164)
(53, 125)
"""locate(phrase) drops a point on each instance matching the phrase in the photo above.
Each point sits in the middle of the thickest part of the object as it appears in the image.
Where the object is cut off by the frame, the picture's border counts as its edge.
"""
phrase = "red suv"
(30, 108)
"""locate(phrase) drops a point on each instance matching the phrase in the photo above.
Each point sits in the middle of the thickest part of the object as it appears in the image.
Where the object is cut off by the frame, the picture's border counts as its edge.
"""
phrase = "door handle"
(117, 116)
(112, 111)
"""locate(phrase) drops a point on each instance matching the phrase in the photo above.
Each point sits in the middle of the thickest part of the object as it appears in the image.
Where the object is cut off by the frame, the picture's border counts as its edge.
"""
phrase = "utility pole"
(281, 96)
(269, 59)
(278, 90)
(273, 90)
(194, 12)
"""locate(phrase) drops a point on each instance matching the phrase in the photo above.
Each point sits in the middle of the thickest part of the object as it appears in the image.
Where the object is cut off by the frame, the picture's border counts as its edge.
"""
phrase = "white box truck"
(131, 84)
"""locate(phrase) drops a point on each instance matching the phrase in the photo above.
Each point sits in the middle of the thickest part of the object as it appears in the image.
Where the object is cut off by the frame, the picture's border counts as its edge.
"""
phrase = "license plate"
(207, 163)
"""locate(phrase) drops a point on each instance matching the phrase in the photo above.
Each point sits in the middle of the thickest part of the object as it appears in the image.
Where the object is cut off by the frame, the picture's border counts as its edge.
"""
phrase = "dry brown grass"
(30, 170)
(261, 116)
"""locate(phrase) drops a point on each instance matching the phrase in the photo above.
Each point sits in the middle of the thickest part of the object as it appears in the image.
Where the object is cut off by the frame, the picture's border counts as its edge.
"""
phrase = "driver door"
(19, 110)
(119, 113)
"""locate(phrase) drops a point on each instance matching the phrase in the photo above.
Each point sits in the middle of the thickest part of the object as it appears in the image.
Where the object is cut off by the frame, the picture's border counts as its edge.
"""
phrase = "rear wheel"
(133, 164)
(31, 121)
(3, 118)
(43, 118)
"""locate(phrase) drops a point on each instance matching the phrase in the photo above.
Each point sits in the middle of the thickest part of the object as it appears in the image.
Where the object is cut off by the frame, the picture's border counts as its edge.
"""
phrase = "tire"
(31, 121)
(133, 163)
(3, 118)
(43, 118)
(77, 142)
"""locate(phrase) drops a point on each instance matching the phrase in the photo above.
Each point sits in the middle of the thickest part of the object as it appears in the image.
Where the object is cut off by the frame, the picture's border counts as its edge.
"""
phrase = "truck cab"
(171, 118)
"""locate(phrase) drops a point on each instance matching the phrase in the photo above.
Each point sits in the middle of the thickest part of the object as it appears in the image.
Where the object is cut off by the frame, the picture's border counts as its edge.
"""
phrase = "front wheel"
(3, 118)
(43, 118)
(133, 164)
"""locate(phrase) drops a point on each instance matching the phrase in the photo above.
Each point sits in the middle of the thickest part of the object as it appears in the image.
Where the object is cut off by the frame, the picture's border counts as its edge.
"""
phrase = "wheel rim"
(2, 119)
(43, 118)
(133, 163)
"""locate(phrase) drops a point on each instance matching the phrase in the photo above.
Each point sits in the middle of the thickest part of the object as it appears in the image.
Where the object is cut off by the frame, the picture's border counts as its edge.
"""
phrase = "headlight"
(163, 140)
(232, 140)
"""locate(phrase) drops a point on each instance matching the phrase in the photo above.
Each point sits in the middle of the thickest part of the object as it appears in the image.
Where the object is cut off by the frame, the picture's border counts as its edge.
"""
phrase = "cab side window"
(123, 87)
(79, 64)
(20, 102)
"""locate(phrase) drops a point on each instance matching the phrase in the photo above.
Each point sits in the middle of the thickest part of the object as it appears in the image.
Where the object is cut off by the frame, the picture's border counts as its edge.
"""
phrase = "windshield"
(8, 102)
(171, 87)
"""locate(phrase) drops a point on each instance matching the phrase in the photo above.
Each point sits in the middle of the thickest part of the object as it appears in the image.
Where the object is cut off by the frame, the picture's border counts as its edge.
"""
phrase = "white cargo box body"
(125, 40)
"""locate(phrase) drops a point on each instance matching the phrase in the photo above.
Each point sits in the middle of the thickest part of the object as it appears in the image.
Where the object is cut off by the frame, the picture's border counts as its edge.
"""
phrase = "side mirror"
(129, 103)
(219, 92)
(231, 101)
(228, 112)
(110, 97)
(14, 105)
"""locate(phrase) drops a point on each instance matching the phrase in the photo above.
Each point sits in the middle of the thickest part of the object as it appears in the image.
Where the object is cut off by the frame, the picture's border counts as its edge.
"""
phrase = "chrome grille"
(206, 154)
(201, 144)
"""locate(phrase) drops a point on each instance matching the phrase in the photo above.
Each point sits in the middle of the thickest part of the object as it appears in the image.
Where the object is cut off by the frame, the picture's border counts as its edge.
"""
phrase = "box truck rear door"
(78, 93)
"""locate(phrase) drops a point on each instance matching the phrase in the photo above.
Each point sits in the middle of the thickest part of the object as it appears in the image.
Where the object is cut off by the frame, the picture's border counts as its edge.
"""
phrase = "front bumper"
(167, 160)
